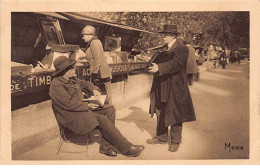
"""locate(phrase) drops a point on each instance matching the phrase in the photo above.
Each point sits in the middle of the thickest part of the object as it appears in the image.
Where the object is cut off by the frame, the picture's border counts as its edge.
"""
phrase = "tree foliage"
(229, 29)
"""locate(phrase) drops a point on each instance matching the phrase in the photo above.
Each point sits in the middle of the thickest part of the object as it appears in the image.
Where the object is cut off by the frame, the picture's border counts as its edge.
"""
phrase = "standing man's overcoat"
(170, 86)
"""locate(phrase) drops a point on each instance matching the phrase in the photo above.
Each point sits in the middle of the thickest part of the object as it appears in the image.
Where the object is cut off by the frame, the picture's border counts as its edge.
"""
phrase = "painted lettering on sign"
(137, 65)
(34, 82)
(86, 72)
(48, 80)
(39, 80)
(15, 87)
(29, 83)
(43, 80)
(119, 68)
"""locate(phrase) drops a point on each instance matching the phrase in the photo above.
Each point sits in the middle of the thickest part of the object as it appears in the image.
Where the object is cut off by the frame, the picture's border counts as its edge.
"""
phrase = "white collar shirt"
(171, 43)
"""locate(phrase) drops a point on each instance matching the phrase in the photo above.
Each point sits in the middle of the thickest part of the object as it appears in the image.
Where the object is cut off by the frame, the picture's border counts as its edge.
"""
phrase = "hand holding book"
(93, 106)
(98, 101)
(96, 93)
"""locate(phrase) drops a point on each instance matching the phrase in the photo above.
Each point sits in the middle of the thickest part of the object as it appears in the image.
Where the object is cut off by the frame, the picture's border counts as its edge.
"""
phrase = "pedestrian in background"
(191, 63)
(212, 57)
(209, 57)
(170, 96)
(238, 57)
(223, 59)
(99, 68)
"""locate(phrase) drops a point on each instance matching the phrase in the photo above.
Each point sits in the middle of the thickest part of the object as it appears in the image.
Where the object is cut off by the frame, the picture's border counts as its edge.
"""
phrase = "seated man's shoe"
(135, 150)
(107, 150)
(173, 147)
(155, 141)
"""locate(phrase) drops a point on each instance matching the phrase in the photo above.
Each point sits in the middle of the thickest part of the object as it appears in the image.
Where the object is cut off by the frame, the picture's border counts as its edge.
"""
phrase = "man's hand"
(92, 106)
(96, 93)
(154, 68)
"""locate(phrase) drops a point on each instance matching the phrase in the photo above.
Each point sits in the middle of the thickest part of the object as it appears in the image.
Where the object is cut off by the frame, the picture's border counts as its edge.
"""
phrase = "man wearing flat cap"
(170, 96)
(81, 117)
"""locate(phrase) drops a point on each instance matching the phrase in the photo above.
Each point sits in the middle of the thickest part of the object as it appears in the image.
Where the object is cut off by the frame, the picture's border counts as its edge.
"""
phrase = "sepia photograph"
(128, 85)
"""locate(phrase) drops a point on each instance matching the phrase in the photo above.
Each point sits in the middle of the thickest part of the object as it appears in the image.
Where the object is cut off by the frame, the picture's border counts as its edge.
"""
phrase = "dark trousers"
(196, 76)
(110, 134)
(162, 130)
(108, 92)
(106, 89)
(239, 60)
(190, 78)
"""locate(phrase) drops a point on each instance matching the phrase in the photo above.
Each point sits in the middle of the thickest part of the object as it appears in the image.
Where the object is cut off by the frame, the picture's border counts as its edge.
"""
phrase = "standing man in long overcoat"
(170, 95)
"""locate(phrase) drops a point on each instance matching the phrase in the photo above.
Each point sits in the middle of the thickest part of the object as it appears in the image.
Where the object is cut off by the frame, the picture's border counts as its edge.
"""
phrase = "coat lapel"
(175, 44)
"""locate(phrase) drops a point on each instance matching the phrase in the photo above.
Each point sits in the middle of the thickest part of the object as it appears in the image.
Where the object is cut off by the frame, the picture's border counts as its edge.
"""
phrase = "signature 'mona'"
(233, 148)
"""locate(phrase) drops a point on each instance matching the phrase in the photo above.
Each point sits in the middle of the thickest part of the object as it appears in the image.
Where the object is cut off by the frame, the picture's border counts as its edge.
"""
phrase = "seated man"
(80, 117)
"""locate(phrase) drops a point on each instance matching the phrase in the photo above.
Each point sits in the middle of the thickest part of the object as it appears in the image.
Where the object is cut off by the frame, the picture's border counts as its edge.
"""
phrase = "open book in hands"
(100, 101)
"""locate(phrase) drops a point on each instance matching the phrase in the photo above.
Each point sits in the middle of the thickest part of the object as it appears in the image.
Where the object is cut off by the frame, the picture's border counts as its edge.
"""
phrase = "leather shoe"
(173, 147)
(154, 141)
(107, 150)
(135, 150)
(139, 147)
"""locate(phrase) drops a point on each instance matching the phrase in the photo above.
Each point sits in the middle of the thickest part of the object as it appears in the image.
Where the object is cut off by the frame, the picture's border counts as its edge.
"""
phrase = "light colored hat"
(88, 30)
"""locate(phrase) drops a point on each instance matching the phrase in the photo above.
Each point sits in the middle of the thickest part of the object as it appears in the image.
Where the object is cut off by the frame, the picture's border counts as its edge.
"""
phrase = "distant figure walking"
(191, 63)
(223, 59)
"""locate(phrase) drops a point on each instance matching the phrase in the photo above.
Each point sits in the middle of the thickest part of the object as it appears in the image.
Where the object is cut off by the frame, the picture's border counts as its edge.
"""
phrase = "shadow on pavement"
(142, 120)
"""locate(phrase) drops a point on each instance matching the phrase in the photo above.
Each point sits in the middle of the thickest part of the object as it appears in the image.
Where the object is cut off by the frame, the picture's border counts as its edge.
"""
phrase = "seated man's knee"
(102, 118)
(111, 113)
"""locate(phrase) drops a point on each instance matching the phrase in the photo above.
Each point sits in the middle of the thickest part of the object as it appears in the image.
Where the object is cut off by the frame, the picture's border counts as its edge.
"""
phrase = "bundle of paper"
(100, 101)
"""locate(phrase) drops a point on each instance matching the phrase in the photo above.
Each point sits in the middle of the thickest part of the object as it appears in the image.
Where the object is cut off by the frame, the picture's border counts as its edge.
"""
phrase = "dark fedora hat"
(170, 28)
(62, 63)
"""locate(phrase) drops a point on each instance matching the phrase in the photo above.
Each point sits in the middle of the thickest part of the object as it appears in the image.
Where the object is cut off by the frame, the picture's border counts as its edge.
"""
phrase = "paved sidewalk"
(221, 102)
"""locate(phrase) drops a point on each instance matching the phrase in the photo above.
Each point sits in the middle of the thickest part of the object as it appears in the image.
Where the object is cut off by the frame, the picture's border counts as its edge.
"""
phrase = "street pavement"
(221, 131)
